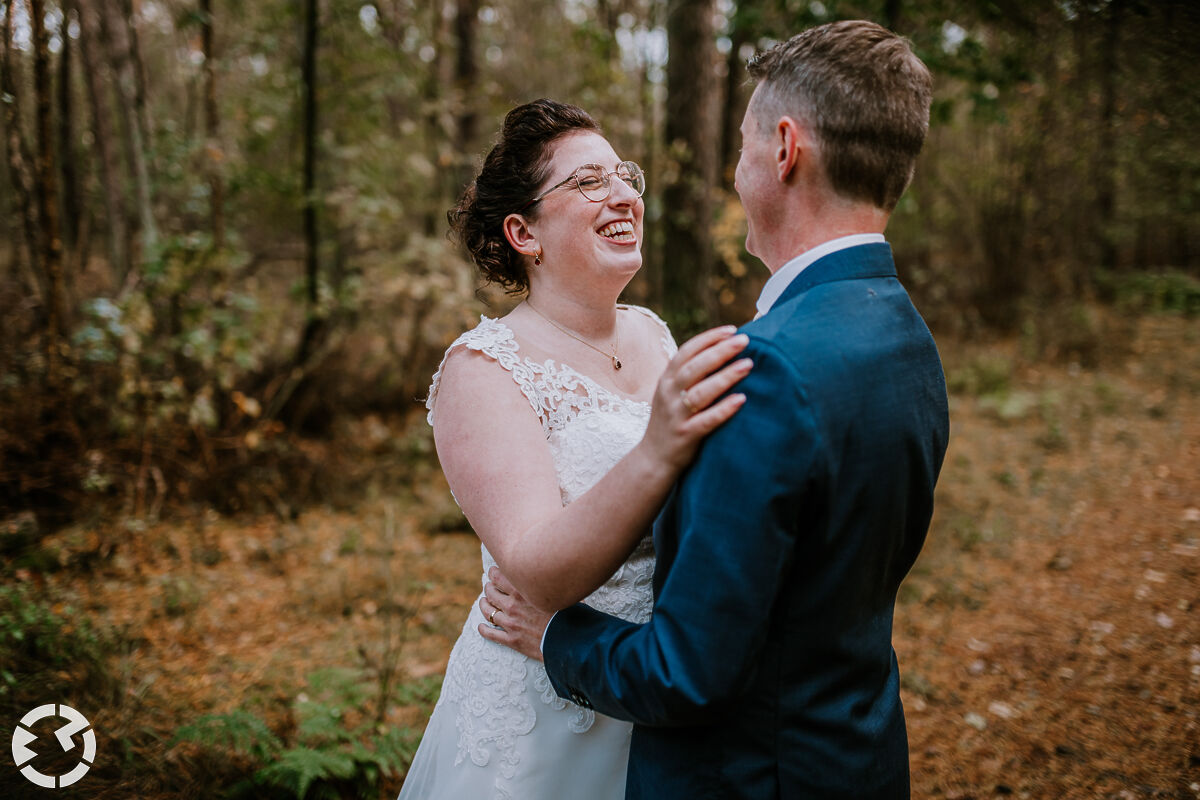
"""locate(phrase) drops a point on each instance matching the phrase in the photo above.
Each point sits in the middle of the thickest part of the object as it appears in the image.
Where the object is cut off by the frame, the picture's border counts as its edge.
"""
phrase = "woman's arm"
(494, 453)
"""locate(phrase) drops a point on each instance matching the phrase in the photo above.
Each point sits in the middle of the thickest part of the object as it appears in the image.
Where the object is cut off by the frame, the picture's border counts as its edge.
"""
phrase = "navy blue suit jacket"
(767, 669)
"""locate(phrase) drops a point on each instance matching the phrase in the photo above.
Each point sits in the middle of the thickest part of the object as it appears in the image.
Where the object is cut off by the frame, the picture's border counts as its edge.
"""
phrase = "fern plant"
(337, 751)
(238, 731)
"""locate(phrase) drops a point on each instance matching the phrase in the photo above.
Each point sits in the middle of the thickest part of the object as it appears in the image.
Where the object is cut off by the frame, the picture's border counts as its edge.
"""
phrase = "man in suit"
(767, 669)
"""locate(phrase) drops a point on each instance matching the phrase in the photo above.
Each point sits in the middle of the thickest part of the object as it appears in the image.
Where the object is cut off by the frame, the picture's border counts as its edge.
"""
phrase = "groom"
(767, 670)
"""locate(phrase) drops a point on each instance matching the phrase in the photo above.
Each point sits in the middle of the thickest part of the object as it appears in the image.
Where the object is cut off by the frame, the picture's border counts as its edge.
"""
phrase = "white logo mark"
(76, 722)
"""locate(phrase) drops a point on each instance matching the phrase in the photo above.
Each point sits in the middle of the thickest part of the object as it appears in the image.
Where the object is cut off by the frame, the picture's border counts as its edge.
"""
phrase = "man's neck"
(803, 236)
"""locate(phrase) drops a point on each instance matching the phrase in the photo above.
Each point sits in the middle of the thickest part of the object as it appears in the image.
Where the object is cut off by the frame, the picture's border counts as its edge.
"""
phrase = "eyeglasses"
(595, 183)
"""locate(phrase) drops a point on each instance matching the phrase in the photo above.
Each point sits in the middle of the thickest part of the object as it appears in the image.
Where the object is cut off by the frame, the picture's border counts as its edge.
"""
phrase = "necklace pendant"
(616, 362)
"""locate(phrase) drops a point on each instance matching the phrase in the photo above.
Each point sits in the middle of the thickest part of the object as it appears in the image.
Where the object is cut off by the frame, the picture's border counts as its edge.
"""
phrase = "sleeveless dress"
(499, 731)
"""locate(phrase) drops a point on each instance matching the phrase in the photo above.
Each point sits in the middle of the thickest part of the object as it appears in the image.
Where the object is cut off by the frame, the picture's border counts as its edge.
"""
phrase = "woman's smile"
(620, 232)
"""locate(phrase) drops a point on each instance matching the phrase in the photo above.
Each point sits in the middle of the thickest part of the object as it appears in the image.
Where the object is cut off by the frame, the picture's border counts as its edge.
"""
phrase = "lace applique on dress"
(556, 392)
(588, 429)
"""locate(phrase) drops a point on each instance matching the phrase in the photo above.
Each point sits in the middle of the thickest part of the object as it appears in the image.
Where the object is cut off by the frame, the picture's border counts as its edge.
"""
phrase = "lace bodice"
(609, 425)
(588, 429)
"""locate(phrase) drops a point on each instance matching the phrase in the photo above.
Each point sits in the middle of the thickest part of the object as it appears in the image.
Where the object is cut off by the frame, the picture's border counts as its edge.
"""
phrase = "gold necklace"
(616, 361)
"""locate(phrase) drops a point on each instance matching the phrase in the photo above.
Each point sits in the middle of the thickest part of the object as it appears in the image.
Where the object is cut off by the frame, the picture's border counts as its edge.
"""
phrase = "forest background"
(225, 282)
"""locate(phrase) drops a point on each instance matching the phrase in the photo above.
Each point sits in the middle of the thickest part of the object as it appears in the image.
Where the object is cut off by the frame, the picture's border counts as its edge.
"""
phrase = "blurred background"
(225, 283)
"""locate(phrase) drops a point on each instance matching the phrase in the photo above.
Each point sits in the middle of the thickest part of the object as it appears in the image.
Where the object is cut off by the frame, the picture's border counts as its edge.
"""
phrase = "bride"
(561, 427)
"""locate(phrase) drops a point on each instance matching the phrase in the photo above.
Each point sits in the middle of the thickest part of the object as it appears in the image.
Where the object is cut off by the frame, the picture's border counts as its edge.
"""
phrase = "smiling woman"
(560, 428)
(511, 175)
(550, 227)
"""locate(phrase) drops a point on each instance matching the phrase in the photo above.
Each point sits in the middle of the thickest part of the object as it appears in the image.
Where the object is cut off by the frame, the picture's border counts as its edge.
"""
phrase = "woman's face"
(576, 234)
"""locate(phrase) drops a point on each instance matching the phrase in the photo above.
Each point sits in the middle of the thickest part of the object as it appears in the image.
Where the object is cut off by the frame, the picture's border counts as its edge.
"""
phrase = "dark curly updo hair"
(511, 174)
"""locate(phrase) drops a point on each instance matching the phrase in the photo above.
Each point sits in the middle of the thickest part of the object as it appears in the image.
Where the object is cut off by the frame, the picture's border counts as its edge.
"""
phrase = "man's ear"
(790, 139)
(520, 236)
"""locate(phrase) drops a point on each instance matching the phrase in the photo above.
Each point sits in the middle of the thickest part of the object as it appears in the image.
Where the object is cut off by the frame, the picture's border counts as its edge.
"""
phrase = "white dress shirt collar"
(777, 283)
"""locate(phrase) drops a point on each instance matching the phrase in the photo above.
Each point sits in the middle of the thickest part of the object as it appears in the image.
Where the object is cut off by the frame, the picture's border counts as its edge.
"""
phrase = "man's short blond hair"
(864, 94)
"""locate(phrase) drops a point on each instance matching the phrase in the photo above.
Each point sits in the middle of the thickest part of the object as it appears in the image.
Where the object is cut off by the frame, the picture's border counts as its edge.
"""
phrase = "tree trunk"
(140, 93)
(466, 76)
(312, 325)
(19, 160)
(892, 15)
(1106, 159)
(733, 103)
(72, 218)
(116, 28)
(446, 182)
(212, 131)
(648, 286)
(691, 121)
(1081, 220)
(49, 255)
(115, 211)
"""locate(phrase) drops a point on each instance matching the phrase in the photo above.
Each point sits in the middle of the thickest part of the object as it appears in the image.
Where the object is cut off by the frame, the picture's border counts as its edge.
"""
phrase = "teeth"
(622, 231)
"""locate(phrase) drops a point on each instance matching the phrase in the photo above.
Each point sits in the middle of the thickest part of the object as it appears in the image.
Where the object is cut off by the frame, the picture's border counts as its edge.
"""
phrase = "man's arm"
(735, 513)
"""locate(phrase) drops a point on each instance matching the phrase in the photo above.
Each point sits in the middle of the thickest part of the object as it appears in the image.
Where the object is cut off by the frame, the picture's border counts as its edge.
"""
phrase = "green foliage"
(168, 368)
(336, 751)
(1008, 406)
(170, 347)
(48, 647)
(422, 692)
(178, 596)
(918, 684)
(1166, 292)
(985, 375)
(238, 731)
(1086, 334)
(298, 769)
(181, 371)
(1108, 397)
(1006, 479)
(1054, 438)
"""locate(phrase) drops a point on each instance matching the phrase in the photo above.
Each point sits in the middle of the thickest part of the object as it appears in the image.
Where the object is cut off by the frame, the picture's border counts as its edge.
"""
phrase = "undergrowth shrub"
(1167, 291)
(335, 750)
(984, 375)
(188, 388)
(1089, 334)
(50, 652)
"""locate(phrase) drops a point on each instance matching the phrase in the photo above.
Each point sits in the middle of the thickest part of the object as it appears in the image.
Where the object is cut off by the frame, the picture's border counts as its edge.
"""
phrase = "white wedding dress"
(498, 731)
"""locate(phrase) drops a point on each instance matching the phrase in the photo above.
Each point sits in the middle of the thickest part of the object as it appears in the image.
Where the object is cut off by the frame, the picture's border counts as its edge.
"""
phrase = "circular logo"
(76, 723)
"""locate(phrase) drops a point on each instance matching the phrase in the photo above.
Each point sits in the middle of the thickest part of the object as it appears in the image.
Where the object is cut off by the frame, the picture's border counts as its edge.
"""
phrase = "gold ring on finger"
(687, 402)
(492, 616)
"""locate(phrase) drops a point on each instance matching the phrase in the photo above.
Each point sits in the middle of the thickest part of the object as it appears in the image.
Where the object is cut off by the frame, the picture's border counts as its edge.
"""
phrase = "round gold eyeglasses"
(595, 183)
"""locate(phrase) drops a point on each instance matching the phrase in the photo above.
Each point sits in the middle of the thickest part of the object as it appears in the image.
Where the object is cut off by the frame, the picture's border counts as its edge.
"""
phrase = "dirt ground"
(1048, 638)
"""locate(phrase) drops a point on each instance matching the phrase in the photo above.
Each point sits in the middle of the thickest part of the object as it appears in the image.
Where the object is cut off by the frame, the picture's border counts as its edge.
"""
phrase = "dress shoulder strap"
(494, 339)
(668, 341)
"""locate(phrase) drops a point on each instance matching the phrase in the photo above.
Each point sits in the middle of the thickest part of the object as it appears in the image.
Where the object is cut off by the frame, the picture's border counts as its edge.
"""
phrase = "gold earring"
(537, 258)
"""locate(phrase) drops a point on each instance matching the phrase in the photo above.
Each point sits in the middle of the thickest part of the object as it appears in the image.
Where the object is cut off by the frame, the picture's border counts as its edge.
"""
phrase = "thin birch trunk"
(116, 28)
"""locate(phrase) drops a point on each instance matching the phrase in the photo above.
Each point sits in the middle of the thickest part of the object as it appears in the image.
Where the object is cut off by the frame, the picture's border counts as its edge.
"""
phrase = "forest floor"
(1048, 637)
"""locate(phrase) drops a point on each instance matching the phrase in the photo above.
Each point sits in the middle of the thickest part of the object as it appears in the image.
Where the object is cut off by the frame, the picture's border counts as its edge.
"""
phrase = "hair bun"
(512, 172)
